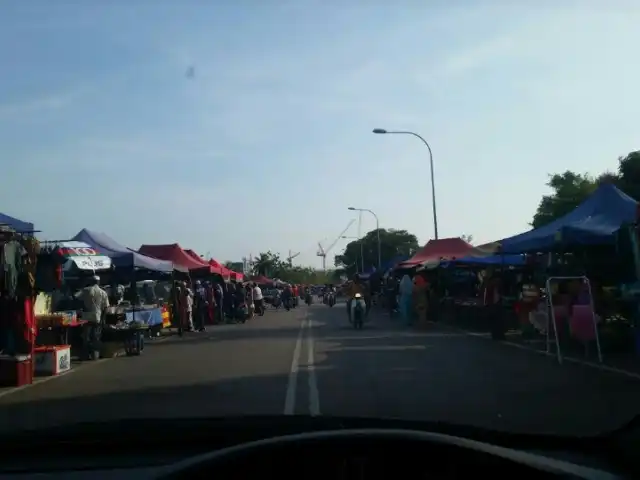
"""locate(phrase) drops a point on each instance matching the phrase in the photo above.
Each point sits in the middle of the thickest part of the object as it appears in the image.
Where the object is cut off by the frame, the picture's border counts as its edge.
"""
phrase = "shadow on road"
(451, 376)
(225, 397)
(223, 333)
(378, 372)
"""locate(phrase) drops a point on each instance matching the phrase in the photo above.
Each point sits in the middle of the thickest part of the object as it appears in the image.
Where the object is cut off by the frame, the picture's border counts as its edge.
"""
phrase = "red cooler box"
(15, 371)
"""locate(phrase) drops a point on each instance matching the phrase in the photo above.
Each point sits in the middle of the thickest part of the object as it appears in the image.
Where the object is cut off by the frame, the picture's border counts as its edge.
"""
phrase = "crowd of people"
(193, 306)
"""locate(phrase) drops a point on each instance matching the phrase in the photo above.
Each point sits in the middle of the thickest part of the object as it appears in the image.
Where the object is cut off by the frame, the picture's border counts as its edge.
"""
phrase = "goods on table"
(127, 326)
(56, 319)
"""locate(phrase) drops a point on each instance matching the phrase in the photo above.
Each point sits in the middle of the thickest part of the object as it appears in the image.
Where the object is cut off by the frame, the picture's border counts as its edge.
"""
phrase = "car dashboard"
(341, 450)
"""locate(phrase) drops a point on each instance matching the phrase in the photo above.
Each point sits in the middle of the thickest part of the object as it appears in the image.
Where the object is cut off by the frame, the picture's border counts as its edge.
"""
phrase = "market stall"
(138, 270)
(17, 327)
(64, 269)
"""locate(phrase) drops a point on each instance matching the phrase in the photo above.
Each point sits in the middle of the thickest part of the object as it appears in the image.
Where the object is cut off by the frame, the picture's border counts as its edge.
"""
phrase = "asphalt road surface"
(308, 361)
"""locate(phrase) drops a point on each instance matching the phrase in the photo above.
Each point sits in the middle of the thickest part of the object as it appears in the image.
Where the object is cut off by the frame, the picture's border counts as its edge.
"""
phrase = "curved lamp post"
(382, 131)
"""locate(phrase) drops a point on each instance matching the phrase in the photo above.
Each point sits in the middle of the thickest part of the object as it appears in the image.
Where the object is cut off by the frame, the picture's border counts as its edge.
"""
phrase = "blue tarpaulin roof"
(490, 260)
(594, 221)
(120, 255)
(15, 224)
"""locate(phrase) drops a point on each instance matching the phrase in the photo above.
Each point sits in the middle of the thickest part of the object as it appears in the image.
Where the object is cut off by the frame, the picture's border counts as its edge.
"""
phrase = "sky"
(270, 141)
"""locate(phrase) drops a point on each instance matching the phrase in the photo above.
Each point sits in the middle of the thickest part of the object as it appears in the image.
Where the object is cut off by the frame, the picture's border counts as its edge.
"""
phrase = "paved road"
(308, 362)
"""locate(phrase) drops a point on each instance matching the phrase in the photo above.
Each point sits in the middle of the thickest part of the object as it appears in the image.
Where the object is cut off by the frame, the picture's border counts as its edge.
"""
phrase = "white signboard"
(83, 257)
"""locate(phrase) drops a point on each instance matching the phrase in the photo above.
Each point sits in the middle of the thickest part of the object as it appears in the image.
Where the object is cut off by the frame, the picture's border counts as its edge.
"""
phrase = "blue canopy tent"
(15, 224)
(120, 255)
(508, 260)
(594, 221)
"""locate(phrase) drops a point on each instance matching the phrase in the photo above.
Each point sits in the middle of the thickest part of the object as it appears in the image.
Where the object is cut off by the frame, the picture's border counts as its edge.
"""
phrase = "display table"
(150, 316)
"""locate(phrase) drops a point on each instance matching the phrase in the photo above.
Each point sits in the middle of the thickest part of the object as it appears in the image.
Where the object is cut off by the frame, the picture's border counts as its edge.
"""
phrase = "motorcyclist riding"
(355, 287)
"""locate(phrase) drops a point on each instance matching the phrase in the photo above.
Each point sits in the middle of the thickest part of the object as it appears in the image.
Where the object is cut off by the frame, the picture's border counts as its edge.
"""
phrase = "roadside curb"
(76, 367)
(578, 361)
(41, 380)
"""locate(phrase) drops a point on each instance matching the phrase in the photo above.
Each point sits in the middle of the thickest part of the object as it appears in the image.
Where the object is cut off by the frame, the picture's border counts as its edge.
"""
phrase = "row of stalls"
(571, 285)
(141, 286)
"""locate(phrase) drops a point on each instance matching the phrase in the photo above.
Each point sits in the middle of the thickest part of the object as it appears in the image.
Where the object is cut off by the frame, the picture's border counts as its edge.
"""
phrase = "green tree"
(271, 265)
(393, 243)
(569, 189)
(628, 177)
(266, 263)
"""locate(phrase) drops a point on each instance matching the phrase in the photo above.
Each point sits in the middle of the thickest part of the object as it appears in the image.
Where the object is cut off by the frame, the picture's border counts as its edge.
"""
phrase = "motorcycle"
(308, 299)
(358, 310)
(331, 300)
(276, 303)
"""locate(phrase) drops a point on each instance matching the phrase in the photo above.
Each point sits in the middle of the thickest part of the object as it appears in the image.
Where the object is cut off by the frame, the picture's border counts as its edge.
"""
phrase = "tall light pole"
(377, 231)
(382, 131)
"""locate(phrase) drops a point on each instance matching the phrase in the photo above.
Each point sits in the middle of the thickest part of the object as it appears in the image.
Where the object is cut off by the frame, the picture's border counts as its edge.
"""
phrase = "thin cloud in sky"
(52, 101)
(281, 112)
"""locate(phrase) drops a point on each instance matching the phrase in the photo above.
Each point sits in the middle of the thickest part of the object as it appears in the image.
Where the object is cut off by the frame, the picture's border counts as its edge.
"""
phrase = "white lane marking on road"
(314, 396)
(290, 399)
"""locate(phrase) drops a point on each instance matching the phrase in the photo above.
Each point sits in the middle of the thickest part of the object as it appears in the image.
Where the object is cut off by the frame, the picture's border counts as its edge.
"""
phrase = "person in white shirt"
(258, 299)
(95, 301)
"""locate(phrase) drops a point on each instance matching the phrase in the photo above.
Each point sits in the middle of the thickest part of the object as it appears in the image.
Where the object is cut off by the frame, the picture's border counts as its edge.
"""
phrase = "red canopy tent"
(262, 280)
(215, 268)
(436, 250)
(174, 253)
(238, 277)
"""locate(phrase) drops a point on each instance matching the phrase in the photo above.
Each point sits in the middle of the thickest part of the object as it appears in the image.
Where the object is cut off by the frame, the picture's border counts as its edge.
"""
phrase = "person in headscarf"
(406, 293)
(187, 301)
(420, 299)
(177, 318)
(200, 306)
(219, 298)
(149, 294)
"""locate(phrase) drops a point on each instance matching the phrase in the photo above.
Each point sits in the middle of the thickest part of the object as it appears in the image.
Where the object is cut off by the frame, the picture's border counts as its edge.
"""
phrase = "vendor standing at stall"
(95, 301)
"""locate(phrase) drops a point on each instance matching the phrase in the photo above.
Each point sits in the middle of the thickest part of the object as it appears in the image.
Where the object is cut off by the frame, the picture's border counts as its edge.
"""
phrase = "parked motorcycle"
(358, 310)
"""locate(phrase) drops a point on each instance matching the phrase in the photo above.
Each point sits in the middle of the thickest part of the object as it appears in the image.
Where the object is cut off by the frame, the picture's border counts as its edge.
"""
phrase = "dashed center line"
(312, 382)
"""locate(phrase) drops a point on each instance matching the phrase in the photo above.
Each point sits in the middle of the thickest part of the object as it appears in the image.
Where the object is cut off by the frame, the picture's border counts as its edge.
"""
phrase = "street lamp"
(377, 231)
(382, 131)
